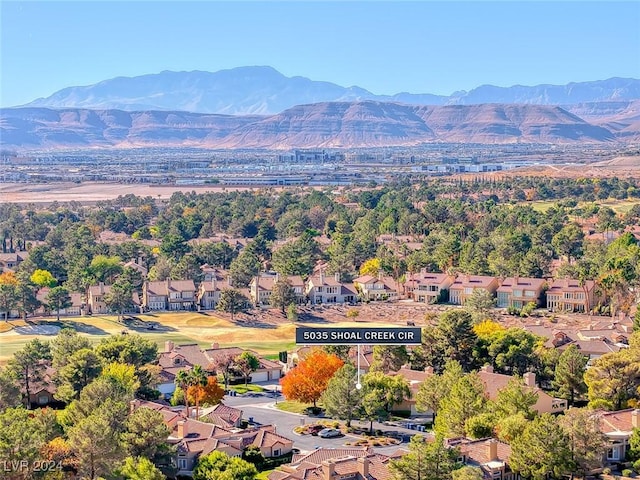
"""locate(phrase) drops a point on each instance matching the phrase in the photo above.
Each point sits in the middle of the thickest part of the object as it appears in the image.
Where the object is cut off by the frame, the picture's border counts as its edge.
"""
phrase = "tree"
(254, 455)
(465, 400)
(613, 379)
(389, 358)
(220, 466)
(66, 343)
(232, 301)
(381, 393)
(9, 391)
(282, 294)
(120, 297)
(8, 293)
(210, 392)
(342, 399)
(292, 312)
(140, 468)
(225, 364)
(370, 267)
(511, 427)
(21, 436)
(132, 349)
(29, 364)
(43, 278)
(123, 375)
(146, 434)
(436, 387)
(568, 241)
(569, 374)
(58, 299)
(310, 377)
(27, 295)
(246, 364)
(456, 337)
(542, 450)
(426, 460)
(81, 369)
(515, 399)
(468, 473)
(95, 445)
(243, 268)
(182, 383)
(480, 305)
(104, 269)
(587, 443)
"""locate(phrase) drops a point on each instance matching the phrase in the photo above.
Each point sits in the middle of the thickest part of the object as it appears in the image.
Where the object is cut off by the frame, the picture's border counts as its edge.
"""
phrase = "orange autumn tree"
(310, 377)
(211, 393)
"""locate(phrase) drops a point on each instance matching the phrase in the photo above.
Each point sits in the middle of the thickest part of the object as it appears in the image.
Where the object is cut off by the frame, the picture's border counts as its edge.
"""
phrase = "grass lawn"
(179, 327)
(292, 406)
(619, 206)
(249, 388)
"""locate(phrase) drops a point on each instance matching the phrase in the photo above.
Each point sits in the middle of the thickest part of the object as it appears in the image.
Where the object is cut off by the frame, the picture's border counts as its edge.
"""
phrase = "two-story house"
(618, 427)
(261, 288)
(328, 289)
(169, 295)
(516, 292)
(77, 306)
(464, 286)
(215, 280)
(571, 295)
(96, 304)
(427, 287)
(372, 288)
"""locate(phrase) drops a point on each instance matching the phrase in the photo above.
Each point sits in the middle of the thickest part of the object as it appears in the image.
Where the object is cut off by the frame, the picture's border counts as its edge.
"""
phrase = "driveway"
(261, 409)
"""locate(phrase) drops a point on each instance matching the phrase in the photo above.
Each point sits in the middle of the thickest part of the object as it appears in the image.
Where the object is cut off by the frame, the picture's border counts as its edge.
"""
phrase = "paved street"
(261, 408)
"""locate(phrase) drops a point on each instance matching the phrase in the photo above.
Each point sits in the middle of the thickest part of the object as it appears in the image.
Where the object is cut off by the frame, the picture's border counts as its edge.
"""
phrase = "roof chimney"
(337, 277)
(363, 466)
(321, 277)
(429, 370)
(492, 449)
(182, 429)
(132, 405)
(215, 346)
(529, 379)
(635, 418)
(168, 346)
(328, 470)
(487, 368)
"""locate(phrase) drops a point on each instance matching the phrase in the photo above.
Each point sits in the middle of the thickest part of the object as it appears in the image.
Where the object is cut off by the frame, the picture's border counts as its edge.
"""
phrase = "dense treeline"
(477, 226)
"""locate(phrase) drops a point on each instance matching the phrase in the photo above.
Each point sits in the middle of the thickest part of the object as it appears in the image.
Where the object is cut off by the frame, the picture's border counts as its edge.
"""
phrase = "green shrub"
(627, 472)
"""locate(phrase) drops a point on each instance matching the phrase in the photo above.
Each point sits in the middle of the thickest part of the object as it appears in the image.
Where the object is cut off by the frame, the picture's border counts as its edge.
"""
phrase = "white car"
(329, 433)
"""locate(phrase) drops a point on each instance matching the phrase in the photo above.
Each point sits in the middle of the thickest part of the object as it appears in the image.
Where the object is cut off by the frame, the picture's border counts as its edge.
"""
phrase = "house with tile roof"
(516, 292)
(488, 454)
(77, 306)
(618, 427)
(382, 287)
(336, 464)
(194, 438)
(214, 282)
(169, 295)
(328, 289)
(261, 288)
(428, 287)
(571, 295)
(96, 304)
(10, 261)
(464, 286)
(222, 415)
(495, 382)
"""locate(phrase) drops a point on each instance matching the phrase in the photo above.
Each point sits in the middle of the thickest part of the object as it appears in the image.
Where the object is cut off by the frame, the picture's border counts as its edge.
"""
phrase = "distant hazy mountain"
(263, 90)
(328, 124)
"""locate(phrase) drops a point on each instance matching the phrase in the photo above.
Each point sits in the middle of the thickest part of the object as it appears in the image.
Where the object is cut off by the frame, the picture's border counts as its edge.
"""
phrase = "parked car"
(314, 429)
(329, 433)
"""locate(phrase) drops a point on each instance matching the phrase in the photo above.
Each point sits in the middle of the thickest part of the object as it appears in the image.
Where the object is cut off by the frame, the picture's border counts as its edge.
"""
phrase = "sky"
(385, 47)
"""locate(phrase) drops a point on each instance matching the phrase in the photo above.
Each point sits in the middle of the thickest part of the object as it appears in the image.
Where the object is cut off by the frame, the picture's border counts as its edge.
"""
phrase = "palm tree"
(182, 381)
(197, 378)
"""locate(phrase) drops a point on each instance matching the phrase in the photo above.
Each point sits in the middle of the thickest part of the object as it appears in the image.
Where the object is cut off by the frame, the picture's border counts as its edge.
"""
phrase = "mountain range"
(325, 125)
(264, 90)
